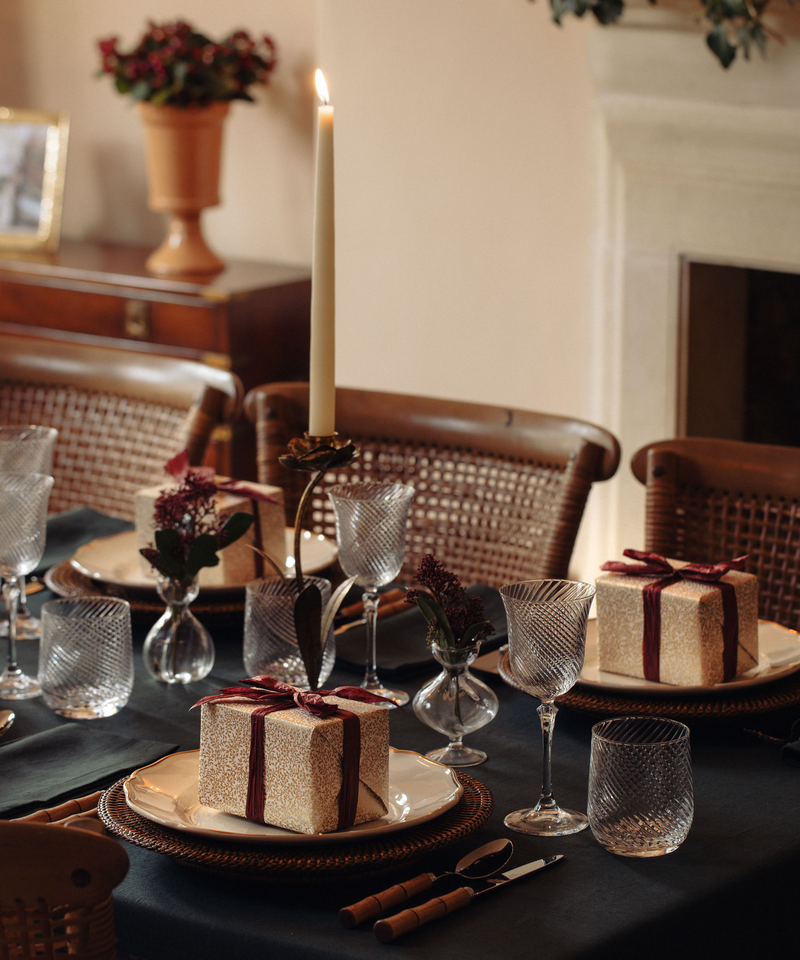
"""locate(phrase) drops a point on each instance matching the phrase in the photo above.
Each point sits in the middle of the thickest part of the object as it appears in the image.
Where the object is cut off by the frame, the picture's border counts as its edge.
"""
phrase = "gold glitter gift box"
(691, 647)
(302, 764)
(238, 563)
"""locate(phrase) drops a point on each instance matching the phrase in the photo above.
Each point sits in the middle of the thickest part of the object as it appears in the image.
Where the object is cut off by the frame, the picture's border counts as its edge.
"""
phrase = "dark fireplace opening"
(739, 354)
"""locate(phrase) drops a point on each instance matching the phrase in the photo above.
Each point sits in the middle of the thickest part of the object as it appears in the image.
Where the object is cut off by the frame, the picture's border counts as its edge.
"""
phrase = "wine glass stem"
(11, 597)
(547, 714)
(370, 601)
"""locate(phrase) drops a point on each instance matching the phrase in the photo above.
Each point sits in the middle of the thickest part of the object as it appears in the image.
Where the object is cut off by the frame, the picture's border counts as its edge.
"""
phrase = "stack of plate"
(430, 806)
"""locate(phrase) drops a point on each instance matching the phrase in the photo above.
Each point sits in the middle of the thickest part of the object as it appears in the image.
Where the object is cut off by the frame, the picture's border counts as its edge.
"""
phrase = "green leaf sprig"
(189, 533)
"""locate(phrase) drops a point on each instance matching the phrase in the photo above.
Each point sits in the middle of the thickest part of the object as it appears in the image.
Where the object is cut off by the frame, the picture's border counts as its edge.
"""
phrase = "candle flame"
(322, 87)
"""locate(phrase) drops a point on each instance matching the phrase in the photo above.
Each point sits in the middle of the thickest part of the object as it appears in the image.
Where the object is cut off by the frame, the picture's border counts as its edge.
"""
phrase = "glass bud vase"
(178, 648)
(456, 703)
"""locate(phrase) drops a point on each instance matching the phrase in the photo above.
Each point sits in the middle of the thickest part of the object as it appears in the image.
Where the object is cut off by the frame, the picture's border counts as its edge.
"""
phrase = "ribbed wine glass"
(371, 532)
(23, 518)
(26, 449)
(546, 642)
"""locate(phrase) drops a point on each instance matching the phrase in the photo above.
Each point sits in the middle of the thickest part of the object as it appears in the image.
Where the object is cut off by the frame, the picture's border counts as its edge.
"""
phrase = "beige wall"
(462, 199)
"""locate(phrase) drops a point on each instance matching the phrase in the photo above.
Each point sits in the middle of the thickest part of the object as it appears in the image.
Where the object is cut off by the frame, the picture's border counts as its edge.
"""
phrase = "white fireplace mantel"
(690, 160)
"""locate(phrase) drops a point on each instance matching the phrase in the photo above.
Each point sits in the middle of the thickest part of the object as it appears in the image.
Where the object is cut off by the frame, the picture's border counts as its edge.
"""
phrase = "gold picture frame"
(33, 160)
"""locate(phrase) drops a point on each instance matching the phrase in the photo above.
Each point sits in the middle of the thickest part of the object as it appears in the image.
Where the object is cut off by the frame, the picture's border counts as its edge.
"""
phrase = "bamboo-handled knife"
(412, 919)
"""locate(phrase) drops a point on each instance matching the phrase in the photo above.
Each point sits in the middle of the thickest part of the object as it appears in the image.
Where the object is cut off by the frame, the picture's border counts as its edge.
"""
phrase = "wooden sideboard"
(253, 318)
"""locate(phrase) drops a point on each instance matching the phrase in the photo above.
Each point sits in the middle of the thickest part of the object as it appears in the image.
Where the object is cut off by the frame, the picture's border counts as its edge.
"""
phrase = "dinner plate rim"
(366, 831)
(621, 684)
(144, 584)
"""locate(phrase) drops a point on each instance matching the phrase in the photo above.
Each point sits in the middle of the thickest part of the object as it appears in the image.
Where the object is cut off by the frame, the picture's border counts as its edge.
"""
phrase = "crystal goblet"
(23, 517)
(26, 449)
(546, 642)
(371, 532)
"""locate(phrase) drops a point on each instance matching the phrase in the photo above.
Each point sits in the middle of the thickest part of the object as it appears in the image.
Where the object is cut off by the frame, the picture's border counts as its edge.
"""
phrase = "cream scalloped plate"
(166, 793)
(115, 560)
(778, 656)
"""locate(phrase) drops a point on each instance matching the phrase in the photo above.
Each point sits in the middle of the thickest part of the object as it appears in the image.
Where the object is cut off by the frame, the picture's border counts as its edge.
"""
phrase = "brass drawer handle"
(137, 319)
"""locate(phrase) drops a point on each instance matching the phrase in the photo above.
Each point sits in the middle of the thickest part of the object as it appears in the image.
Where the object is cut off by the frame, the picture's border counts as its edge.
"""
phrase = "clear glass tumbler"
(270, 639)
(641, 801)
(86, 657)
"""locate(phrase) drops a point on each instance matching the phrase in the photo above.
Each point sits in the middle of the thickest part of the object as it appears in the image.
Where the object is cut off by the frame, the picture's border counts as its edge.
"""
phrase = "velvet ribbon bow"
(271, 696)
(653, 565)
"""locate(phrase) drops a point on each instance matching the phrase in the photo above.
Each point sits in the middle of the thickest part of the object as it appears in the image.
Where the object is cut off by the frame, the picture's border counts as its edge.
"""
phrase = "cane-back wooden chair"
(55, 892)
(712, 500)
(120, 414)
(499, 492)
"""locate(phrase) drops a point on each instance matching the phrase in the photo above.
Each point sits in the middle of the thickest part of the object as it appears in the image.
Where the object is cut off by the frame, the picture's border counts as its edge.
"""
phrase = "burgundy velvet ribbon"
(653, 565)
(272, 696)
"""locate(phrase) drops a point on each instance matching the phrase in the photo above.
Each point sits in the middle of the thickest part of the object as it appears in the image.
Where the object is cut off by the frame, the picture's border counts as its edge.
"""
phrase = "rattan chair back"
(499, 492)
(712, 500)
(121, 415)
(55, 892)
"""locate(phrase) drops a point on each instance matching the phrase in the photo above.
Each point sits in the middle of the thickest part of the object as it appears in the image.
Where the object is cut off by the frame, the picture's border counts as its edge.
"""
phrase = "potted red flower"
(183, 83)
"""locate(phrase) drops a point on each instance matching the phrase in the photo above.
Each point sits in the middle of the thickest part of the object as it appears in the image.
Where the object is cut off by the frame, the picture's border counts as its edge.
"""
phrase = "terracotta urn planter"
(183, 148)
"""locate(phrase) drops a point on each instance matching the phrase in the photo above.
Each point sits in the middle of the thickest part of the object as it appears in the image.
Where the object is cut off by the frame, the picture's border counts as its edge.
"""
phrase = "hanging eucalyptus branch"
(735, 24)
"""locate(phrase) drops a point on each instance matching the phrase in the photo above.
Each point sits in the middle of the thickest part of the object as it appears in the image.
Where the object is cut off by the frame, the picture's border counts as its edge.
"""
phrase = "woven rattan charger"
(328, 862)
(772, 696)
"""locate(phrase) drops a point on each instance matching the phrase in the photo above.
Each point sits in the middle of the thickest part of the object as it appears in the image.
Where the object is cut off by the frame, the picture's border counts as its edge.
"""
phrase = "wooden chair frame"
(120, 414)
(712, 500)
(500, 491)
(55, 892)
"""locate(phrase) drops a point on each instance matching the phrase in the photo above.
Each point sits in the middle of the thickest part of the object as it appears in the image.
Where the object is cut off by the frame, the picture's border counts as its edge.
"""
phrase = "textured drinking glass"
(86, 658)
(371, 532)
(641, 802)
(546, 643)
(23, 519)
(270, 639)
(26, 449)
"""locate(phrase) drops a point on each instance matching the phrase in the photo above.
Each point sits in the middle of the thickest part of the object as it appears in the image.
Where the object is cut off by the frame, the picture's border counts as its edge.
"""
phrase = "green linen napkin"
(68, 761)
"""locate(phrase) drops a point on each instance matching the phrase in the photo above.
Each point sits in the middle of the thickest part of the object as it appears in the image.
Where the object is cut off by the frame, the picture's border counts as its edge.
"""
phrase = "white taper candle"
(322, 366)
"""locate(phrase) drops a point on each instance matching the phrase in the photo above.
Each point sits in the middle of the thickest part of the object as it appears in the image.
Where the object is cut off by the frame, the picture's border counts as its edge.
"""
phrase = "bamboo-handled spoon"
(482, 862)
(6, 719)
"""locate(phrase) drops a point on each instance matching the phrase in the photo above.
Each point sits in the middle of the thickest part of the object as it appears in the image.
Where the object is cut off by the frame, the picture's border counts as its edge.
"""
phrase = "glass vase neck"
(456, 659)
(177, 593)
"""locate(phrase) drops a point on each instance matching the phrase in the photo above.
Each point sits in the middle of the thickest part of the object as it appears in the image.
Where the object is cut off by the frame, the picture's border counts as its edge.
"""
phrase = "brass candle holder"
(316, 455)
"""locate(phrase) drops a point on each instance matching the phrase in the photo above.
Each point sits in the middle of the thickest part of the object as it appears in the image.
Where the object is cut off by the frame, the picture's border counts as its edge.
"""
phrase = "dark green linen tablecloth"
(731, 890)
